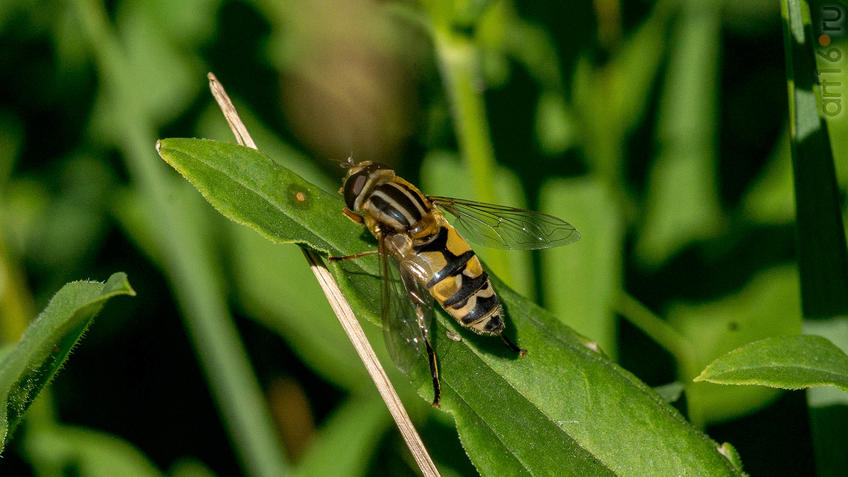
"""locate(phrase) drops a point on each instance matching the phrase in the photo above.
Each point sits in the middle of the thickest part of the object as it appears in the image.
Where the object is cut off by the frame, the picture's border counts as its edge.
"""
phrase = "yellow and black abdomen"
(458, 282)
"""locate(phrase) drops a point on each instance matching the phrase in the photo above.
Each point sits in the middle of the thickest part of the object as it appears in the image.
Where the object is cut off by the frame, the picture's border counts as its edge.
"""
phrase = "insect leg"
(512, 346)
(434, 372)
(356, 255)
(352, 216)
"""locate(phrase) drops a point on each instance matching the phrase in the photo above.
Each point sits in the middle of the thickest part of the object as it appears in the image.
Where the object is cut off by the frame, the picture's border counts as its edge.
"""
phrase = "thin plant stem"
(656, 328)
(343, 311)
(459, 64)
(198, 292)
(668, 338)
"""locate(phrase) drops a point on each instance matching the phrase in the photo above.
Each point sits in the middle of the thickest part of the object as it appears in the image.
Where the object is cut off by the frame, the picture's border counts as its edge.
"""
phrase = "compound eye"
(353, 187)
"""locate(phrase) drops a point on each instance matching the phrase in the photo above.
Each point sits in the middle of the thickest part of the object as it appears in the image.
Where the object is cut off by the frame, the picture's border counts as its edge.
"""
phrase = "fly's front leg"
(353, 216)
(356, 255)
(359, 220)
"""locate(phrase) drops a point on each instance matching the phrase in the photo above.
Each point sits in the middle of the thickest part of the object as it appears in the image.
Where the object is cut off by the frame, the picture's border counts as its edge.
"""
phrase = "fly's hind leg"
(513, 346)
(434, 372)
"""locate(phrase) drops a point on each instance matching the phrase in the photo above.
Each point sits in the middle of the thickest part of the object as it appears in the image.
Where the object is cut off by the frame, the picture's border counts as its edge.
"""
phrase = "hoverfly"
(430, 261)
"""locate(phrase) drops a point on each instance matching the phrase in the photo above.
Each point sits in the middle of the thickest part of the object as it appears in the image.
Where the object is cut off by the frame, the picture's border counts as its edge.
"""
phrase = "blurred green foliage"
(659, 129)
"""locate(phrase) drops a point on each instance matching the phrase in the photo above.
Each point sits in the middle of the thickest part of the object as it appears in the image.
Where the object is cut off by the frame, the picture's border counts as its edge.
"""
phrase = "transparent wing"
(407, 310)
(499, 226)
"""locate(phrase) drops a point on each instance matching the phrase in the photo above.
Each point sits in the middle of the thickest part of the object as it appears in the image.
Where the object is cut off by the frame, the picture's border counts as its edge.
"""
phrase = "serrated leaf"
(828, 406)
(46, 343)
(785, 362)
(587, 415)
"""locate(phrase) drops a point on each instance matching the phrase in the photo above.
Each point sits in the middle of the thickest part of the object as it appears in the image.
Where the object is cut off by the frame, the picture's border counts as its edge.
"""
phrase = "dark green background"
(711, 250)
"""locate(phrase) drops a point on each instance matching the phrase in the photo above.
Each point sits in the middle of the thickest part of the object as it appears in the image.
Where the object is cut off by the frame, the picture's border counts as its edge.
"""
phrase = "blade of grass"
(200, 296)
(822, 257)
(354, 332)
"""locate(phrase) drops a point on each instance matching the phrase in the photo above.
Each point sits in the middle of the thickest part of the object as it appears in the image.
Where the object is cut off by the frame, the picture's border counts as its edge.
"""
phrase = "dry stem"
(342, 309)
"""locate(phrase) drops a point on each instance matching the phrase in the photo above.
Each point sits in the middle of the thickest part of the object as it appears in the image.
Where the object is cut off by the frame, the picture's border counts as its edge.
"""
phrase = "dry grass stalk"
(342, 310)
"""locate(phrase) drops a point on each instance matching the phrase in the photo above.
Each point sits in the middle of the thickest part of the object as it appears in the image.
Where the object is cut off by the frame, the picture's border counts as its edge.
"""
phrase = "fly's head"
(360, 179)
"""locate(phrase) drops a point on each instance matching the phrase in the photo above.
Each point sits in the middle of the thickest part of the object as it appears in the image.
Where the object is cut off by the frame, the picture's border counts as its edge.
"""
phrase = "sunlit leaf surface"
(786, 362)
(588, 416)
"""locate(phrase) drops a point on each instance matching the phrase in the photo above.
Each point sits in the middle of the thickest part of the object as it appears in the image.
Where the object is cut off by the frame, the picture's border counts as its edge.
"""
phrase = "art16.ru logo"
(831, 24)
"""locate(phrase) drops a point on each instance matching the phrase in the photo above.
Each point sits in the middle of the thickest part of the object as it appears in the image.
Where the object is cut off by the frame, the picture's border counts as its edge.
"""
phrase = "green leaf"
(556, 127)
(582, 280)
(188, 467)
(210, 125)
(267, 296)
(822, 251)
(767, 306)
(588, 416)
(627, 80)
(46, 343)
(769, 199)
(785, 362)
(78, 451)
(253, 190)
(828, 407)
(346, 443)
(682, 201)
(670, 392)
